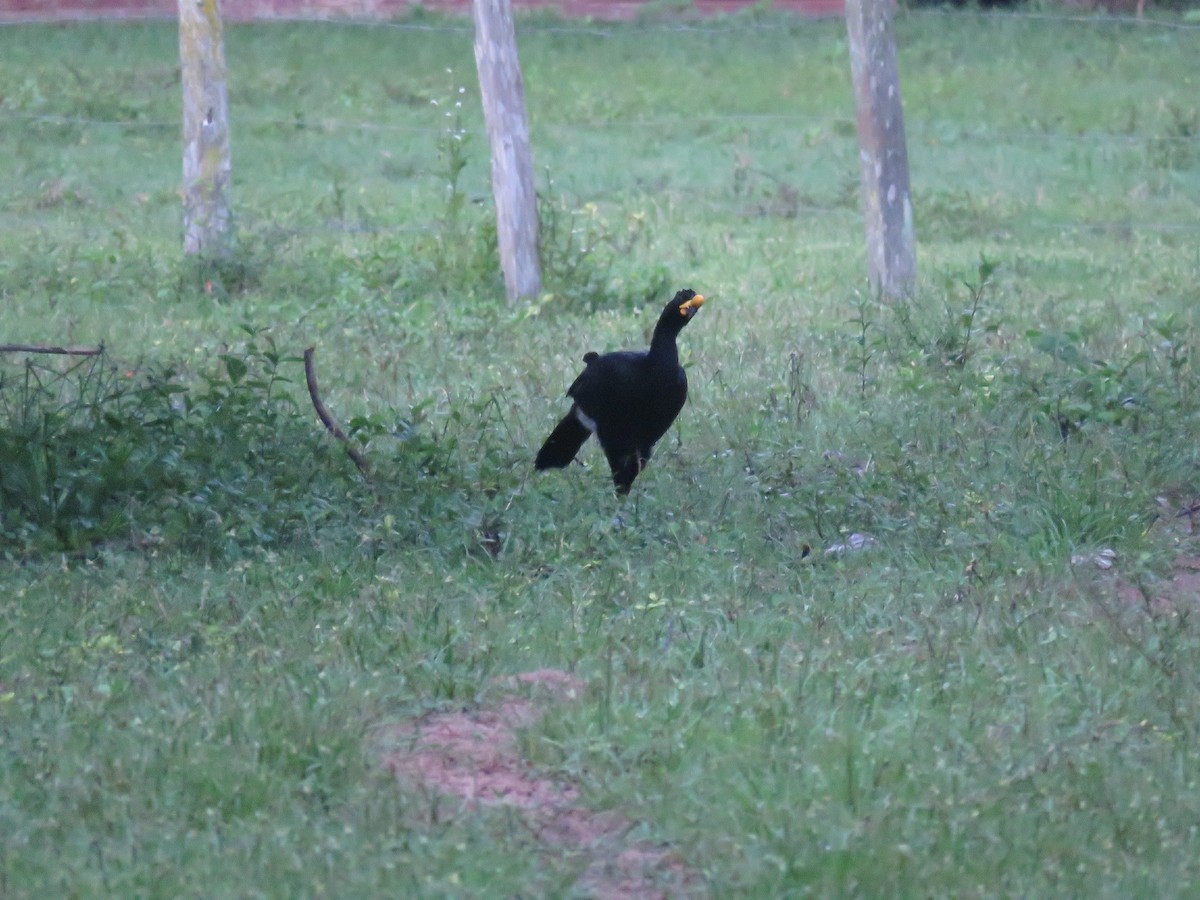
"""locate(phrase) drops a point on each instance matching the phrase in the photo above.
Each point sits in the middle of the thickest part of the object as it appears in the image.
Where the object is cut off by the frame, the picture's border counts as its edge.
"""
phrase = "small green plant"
(945, 339)
(862, 351)
(461, 251)
(1174, 148)
(453, 142)
(955, 342)
(581, 254)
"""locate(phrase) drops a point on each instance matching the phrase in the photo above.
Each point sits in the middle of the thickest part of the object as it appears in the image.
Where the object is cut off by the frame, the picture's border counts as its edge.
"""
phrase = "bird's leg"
(619, 520)
(625, 468)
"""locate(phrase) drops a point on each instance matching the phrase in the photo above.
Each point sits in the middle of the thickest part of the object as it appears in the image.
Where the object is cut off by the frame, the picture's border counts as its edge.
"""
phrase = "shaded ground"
(473, 756)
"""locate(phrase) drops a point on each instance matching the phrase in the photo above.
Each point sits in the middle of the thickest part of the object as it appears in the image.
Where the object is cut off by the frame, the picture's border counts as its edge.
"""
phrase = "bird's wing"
(613, 378)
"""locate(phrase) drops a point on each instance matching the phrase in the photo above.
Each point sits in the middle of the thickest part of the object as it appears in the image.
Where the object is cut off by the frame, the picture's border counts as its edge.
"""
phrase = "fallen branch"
(327, 420)
(61, 351)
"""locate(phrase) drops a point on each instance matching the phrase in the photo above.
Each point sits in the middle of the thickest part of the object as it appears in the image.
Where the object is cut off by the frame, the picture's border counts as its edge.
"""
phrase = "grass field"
(207, 618)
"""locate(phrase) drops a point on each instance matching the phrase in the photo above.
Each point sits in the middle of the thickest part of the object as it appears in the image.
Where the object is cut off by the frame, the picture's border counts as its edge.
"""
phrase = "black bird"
(628, 399)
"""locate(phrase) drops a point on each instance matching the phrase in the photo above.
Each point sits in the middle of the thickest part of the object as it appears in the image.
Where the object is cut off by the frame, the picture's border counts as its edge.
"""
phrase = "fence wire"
(1132, 150)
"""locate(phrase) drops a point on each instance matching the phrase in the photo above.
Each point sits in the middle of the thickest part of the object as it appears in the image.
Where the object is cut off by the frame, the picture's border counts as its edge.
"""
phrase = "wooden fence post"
(503, 93)
(207, 221)
(887, 199)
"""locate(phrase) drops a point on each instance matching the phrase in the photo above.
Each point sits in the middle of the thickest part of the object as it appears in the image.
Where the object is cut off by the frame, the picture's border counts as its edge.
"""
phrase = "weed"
(1174, 148)
(863, 339)
(944, 340)
(581, 254)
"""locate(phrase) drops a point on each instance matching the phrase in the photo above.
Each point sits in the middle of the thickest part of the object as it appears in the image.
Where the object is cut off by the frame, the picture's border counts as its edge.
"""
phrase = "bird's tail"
(562, 445)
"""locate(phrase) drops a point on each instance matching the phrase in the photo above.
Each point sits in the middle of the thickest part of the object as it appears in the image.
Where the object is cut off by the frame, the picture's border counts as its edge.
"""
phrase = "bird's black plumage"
(628, 399)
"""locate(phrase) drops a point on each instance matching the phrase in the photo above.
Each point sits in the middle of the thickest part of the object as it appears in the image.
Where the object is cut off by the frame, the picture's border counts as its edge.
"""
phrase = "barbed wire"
(749, 209)
(917, 129)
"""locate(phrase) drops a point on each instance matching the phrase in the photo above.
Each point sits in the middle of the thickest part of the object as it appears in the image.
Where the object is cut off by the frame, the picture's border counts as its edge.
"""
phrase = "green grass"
(206, 614)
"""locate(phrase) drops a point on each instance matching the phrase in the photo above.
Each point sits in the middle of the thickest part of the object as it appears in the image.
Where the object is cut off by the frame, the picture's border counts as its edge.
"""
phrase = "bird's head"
(686, 302)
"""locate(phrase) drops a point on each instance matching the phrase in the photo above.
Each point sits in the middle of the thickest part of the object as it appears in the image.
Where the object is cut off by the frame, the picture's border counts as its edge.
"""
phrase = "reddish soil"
(1176, 594)
(473, 758)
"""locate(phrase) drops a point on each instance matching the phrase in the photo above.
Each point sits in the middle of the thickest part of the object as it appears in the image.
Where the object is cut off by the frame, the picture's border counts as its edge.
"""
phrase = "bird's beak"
(686, 309)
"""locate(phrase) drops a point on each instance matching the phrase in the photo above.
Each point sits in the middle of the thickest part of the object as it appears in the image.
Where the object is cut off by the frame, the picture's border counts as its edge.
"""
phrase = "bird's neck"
(663, 347)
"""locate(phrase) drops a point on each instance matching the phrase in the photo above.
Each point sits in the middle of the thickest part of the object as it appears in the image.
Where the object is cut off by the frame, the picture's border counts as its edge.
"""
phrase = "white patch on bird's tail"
(585, 420)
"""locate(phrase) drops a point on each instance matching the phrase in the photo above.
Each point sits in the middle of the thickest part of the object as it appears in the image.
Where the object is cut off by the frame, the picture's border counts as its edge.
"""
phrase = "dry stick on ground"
(327, 420)
(61, 351)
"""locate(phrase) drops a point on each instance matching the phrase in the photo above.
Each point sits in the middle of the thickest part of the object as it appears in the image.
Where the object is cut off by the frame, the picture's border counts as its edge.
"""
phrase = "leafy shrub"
(95, 453)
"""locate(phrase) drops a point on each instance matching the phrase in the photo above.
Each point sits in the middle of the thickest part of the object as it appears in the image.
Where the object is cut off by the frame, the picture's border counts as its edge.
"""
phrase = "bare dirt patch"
(474, 756)
(1175, 594)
